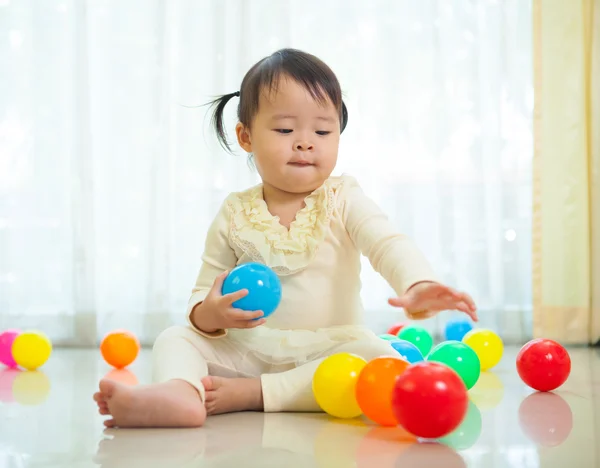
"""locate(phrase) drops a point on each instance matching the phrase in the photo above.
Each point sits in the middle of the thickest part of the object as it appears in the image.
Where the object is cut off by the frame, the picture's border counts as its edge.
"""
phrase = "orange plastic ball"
(374, 388)
(119, 348)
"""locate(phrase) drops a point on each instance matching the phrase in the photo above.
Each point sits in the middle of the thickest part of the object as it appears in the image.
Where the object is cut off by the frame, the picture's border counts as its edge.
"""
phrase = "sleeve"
(218, 257)
(392, 254)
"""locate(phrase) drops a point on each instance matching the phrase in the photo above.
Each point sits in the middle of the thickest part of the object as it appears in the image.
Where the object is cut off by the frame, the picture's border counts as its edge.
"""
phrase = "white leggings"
(181, 353)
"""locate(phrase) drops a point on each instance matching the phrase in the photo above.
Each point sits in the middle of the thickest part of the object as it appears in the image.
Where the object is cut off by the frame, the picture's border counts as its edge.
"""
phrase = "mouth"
(301, 164)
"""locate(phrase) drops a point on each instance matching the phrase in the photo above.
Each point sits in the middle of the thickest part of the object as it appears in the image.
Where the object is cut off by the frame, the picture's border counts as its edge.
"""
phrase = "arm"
(392, 255)
(218, 258)
(398, 260)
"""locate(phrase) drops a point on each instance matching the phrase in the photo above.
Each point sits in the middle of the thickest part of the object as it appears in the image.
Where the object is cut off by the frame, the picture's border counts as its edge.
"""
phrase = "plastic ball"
(395, 329)
(388, 337)
(429, 400)
(543, 364)
(119, 348)
(334, 384)
(407, 351)
(459, 357)
(456, 329)
(546, 419)
(6, 341)
(374, 388)
(261, 282)
(468, 432)
(487, 345)
(418, 336)
(31, 349)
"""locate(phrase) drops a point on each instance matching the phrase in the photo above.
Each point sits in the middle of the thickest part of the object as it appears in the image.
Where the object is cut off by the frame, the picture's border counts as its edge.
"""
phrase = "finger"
(397, 301)
(243, 315)
(462, 306)
(466, 308)
(235, 296)
(249, 323)
(449, 293)
(470, 302)
(447, 304)
(218, 284)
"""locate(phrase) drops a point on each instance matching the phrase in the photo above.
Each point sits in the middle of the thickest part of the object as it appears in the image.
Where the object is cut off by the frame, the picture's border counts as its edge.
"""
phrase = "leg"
(182, 358)
(292, 390)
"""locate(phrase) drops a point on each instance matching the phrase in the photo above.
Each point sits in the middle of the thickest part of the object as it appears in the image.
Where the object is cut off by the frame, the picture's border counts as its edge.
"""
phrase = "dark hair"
(304, 68)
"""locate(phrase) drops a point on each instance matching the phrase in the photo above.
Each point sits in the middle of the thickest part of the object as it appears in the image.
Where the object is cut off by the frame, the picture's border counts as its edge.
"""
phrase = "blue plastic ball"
(407, 350)
(262, 283)
(456, 329)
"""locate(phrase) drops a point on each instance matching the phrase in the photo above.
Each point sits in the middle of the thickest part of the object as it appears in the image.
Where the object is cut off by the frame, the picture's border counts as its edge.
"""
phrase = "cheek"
(332, 150)
(267, 157)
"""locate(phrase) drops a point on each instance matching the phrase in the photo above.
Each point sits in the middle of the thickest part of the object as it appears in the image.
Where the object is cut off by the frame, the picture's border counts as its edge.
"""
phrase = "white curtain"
(109, 175)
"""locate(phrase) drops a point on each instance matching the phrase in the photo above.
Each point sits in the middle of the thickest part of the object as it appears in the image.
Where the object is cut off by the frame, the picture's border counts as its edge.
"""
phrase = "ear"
(243, 137)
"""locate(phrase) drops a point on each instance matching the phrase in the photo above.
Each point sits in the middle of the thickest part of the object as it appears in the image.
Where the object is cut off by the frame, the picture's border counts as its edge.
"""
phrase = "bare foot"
(224, 395)
(170, 404)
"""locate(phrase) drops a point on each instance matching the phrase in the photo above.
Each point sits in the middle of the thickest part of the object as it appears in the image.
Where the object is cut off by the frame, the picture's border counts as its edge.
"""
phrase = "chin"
(299, 184)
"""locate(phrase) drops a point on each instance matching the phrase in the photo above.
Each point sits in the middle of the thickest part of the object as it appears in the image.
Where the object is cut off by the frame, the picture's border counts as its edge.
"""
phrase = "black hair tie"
(236, 94)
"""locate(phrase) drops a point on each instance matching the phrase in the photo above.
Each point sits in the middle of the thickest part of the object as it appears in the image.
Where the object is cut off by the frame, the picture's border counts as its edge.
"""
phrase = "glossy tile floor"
(48, 419)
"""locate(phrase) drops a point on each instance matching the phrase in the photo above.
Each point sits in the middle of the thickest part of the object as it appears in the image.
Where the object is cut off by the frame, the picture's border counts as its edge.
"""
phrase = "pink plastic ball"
(6, 341)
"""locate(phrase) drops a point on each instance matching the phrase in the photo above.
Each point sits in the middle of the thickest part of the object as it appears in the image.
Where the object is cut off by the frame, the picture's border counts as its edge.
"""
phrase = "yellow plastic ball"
(334, 385)
(31, 349)
(487, 345)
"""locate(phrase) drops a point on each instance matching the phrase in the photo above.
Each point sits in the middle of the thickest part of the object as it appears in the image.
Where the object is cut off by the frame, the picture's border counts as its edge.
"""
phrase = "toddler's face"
(294, 138)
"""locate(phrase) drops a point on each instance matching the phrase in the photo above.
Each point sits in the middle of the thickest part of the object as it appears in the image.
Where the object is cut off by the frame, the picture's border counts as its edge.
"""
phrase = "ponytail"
(344, 119)
(216, 120)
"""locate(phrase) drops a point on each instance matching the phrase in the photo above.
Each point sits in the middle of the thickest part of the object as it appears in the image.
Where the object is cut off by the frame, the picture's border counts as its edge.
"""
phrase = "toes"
(103, 411)
(209, 383)
(210, 407)
(109, 423)
(107, 388)
(209, 396)
(98, 397)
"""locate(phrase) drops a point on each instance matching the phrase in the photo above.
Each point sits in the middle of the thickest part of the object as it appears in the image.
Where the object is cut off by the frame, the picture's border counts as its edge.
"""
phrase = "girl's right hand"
(217, 311)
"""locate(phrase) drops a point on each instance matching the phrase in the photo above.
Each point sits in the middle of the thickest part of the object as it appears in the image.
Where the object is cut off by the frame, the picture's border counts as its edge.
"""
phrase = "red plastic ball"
(543, 364)
(395, 329)
(429, 400)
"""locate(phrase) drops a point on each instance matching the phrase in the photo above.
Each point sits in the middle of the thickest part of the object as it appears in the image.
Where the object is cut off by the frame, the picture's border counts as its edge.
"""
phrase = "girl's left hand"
(424, 300)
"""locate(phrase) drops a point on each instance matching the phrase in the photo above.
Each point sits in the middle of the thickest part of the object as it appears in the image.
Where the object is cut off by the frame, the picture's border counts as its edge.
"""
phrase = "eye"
(285, 131)
(322, 132)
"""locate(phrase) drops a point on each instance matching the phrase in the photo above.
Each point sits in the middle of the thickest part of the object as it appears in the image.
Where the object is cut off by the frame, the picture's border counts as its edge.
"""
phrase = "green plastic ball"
(418, 336)
(459, 357)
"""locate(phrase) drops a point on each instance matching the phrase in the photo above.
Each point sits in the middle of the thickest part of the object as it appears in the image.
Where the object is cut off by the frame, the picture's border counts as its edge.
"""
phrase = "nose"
(303, 145)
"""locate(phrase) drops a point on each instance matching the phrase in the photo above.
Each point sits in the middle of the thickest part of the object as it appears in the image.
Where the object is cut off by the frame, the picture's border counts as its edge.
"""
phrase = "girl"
(310, 228)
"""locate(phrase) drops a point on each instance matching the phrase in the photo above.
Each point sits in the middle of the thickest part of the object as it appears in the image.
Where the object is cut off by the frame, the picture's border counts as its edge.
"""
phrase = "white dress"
(318, 262)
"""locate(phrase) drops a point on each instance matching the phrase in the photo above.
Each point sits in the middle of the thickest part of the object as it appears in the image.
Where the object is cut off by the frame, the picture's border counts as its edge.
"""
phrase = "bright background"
(109, 175)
